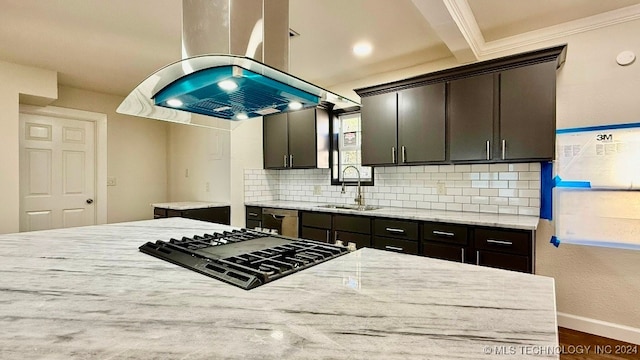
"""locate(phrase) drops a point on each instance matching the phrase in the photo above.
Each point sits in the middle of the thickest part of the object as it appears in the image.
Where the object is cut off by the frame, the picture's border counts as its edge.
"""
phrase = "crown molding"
(613, 17)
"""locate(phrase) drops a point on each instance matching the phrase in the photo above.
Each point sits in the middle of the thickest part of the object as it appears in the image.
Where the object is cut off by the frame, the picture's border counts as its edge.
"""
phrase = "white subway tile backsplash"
(518, 184)
(489, 192)
(454, 207)
(507, 192)
(438, 206)
(446, 168)
(493, 188)
(498, 167)
(479, 167)
(519, 167)
(508, 176)
(471, 207)
(469, 191)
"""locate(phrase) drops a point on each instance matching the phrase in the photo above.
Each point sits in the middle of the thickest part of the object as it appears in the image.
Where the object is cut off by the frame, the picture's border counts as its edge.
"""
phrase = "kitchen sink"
(350, 207)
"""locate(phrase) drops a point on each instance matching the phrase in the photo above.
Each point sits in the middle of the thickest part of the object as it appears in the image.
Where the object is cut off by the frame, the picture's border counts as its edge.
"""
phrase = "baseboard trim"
(600, 328)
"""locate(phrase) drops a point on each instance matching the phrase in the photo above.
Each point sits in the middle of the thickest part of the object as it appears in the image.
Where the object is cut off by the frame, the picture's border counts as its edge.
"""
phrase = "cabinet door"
(471, 118)
(379, 129)
(421, 124)
(528, 112)
(445, 252)
(275, 141)
(302, 139)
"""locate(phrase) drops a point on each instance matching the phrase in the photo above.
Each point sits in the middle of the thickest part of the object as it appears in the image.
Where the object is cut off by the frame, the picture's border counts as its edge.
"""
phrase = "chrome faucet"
(360, 196)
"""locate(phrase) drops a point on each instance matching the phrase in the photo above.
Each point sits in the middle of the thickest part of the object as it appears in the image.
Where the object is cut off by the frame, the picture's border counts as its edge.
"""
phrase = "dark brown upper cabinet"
(296, 140)
(528, 112)
(471, 118)
(421, 124)
(404, 127)
(499, 110)
(379, 129)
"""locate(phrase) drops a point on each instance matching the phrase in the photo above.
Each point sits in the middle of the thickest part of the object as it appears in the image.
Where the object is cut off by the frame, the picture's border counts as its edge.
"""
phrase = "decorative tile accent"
(489, 188)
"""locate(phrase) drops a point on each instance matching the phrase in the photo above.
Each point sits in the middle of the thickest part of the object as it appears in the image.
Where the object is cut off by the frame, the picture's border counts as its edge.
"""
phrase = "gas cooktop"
(244, 258)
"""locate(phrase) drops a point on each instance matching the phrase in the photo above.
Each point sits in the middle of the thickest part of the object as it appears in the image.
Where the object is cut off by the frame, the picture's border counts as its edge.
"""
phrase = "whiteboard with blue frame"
(597, 186)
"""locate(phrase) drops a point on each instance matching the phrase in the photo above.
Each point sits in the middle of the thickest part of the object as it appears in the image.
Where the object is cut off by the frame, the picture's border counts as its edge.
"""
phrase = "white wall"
(204, 154)
(246, 153)
(594, 283)
(40, 85)
(136, 155)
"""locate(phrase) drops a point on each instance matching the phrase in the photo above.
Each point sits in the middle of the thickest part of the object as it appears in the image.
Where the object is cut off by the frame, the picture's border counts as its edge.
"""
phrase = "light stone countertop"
(458, 217)
(88, 293)
(189, 205)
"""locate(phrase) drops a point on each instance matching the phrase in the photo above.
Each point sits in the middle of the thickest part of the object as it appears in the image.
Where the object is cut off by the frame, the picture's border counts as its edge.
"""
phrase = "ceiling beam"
(456, 26)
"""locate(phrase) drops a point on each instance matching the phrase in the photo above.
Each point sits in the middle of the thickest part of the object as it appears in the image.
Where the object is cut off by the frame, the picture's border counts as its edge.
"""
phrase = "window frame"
(334, 149)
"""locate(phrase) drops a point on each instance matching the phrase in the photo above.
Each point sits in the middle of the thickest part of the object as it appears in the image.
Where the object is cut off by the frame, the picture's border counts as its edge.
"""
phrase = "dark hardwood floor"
(577, 345)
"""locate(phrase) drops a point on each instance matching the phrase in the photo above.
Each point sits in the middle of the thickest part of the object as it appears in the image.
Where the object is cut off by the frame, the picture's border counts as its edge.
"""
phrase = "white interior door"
(57, 172)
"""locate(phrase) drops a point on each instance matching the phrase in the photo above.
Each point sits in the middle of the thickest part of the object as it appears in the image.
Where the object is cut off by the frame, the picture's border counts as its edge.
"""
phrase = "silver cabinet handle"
(477, 257)
(462, 255)
(335, 236)
(394, 230)
(404, 154)
(328, 231)
(285, 160)
(393, 154)
(253, 214)
(504, 149)
(488, 150)
(443, 233)
(499, 242)
(388, 247)
(290, 161)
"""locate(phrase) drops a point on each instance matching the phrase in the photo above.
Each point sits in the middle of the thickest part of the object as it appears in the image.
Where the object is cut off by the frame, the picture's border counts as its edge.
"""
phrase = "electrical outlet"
(317, 190)
(111, 181)
(206, 187)
(442, 189)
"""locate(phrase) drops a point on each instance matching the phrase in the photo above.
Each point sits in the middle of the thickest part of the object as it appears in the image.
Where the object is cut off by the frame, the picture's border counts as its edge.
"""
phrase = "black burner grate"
(244, 258)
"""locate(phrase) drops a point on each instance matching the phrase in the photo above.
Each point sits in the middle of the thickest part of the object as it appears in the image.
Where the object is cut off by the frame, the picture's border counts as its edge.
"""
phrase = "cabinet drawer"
(447, 233)
(318, 220)
(403, 246)
(445, 252)
(504, 261)
(356, 224)
(159, 213)
(252, 224)
(310, 233)
(254, 213)
(511, 241)
(407, 230)
(361, 240)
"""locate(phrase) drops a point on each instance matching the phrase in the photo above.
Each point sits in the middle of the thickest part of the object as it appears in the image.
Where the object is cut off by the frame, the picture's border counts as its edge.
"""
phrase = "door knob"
(89, 201)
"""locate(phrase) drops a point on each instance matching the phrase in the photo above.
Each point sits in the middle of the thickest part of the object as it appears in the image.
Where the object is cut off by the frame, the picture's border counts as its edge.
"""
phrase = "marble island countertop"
(524, 222)
(189, 205)
(88, 293)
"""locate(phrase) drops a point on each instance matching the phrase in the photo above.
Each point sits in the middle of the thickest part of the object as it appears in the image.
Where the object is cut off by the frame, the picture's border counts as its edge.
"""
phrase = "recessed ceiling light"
(362, 49)
(174, 103)
(228, 85)
(242, 116)
(294, 105)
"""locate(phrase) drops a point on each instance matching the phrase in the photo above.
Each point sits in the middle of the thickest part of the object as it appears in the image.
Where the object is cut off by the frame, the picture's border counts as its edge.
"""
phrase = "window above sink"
(346, 154)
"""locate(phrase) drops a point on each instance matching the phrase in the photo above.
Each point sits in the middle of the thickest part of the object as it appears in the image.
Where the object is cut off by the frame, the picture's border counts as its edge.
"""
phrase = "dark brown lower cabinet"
(504, 249)
(397, 245)
(220, 215)
(309, 233)
(503, 261)
(315, 226)
(445, 251)
(361, 240)
(253, 217)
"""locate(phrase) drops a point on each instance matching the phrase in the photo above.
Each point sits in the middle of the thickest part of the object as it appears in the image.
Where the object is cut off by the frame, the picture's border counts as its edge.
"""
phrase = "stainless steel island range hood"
(235, 62)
